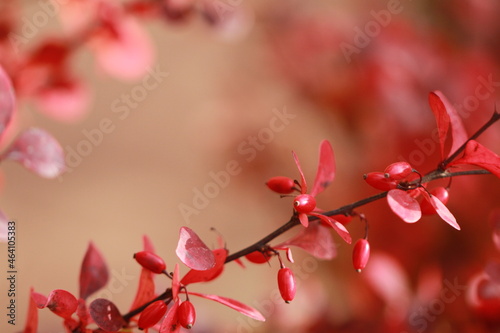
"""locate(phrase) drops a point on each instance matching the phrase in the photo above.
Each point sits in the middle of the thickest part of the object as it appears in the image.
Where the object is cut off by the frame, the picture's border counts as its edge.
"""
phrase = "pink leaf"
(304, 220)
(404, 206)
(316, 240)
(106, 315)
(193, 252)
(194, 276)
(303, 183)
(326, 168)
(7, 100)
(478, 155)
(146, 289)
(128, 52)
(233, 304)
(39, 152)
(31, 325)
(62, 303)
(170, 323)
(337, 226)
(67, 100)
(443, 212)
(94, 272)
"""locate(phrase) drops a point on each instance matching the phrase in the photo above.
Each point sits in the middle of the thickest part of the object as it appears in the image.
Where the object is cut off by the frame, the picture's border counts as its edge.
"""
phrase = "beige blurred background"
(216, 95)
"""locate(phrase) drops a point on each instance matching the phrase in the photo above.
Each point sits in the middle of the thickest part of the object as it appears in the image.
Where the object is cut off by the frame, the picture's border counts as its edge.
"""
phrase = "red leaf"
(337, 226)
(446, 115)
(7, 100)
(303, 183)
(404, 206)
(31, 325)
(106, 315)
(170, 322)
(39, 152)
(233, 304)
(62, 303)
(194, 276)
(175, 282)
(193, 252)
(316, 240)
(146, 288)
(326, 168)
(94, 272)
(82, 312)
(478, 155)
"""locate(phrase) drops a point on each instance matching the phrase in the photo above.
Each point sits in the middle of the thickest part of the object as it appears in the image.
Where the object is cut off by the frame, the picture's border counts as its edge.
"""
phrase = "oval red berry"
(286, 284)
(186, 314)
(152, 314)
(379, 181)
(398, 170)
(360, 254)
(150, 261)
(304, 203)
(281, 185)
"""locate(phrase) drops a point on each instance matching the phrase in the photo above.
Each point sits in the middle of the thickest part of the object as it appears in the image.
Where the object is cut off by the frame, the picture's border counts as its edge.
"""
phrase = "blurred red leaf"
(316, 240)
(404, 206)
(7, 100)
(146, 288)
(194, 276)
(66, 99)
(193, 252)
(94, 272)
(37, 151)
(170, 323)
(62, 303)
(31, 325)
(125, 52)
(478, 155)
(106, 315)
(233, 304)
(326, 168)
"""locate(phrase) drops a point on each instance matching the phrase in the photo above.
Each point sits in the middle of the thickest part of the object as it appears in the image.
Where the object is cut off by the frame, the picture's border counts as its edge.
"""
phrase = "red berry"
(281, 185)
(439, 192)
(186, 315)
(398, 170)
(152, 314)
(304, 203)
(286, 284)
(150, 261)
(360, 254)
(379, 181)
(258, 257)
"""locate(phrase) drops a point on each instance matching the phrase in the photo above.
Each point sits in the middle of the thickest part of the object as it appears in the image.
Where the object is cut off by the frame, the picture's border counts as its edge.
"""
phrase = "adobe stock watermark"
(371, 29)
(121, 107)
(30, 27)
(420, 319)
(248, 148)
(427, 146)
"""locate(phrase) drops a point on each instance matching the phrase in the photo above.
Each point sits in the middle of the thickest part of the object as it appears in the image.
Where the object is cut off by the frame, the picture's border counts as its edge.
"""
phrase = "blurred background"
(200, 86)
